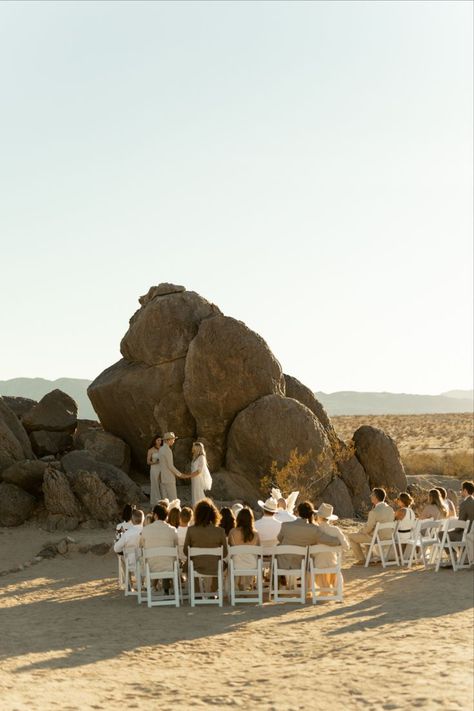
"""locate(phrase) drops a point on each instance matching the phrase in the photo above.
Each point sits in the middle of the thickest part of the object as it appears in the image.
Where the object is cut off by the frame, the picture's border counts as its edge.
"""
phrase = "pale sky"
(306, 166)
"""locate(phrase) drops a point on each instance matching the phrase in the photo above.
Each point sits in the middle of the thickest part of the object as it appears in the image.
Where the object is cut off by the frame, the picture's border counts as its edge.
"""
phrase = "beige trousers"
(355, 539)
(168, 491)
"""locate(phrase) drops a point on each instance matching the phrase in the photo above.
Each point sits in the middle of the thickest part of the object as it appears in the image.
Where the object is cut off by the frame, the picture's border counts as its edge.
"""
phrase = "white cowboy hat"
(236, 508)
(269, 505)
(326, 511)
(169, 435)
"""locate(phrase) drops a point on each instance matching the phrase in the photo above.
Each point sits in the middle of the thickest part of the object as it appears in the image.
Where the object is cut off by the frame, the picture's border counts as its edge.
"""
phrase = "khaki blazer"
(381, 513)
(168, 469)
(301, 533)
(156, 534)
(205, 537)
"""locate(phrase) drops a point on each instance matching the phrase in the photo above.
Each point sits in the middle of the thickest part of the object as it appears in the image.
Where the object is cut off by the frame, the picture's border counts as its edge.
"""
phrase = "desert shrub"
(458, 464)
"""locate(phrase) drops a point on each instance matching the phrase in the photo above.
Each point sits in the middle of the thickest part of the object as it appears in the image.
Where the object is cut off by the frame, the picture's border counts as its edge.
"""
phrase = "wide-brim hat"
(169, 435)
(236, 508)
(270, 505)
(326, 511)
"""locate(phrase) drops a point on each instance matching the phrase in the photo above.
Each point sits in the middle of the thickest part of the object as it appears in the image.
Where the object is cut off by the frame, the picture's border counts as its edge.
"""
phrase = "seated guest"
(302, 532)
(236, 508)
(466, 510)
(405, 515)
(447, 502)
(268, 527)
(435, 508)
(244, 534)
(185, 518)
(129, 541)
(149, 518)
(126, 521)
(173, 517)
(227, 521)
(285, 506)
(381, 513)
(206, 533)
(325, 516)
(158, 534)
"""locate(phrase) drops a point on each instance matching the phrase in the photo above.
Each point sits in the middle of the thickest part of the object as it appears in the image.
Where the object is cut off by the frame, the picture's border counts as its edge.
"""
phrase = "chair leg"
(191, 582)
(220, 583)
(148, 588)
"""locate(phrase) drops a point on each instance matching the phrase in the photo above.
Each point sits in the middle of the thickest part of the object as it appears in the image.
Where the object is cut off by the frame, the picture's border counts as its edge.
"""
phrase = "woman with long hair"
(153, 460)
(405, 515)
(244, 534)
(206, 533)
(435, 508)
(201, 480)
(227, 520)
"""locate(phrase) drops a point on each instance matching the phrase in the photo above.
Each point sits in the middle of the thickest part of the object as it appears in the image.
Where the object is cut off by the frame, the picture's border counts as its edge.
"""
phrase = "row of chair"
(198, 591)
(425, 542)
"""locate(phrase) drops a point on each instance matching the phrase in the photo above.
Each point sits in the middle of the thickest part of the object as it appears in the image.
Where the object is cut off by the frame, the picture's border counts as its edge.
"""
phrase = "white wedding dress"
(202, 483)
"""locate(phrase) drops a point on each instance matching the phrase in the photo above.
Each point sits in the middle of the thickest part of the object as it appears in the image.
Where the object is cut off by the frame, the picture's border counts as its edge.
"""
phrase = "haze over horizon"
(305, 166)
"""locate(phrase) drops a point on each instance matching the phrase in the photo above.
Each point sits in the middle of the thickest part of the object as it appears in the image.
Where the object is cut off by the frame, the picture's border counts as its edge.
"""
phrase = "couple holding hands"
(163, 473)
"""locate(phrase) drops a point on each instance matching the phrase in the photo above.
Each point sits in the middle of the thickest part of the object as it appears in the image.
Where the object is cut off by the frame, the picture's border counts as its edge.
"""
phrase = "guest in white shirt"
(159, 534)
(129, 541)
(185, 518)
(325, 517)
(283, 515)
(268, 527)
(125, 523)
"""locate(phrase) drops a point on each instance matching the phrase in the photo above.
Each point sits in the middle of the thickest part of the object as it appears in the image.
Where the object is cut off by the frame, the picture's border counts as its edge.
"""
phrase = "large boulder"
(55, 412)
(337, 494)
(19, 405)
(135, 401)
(59, 497)
(16, 505)
(162, 329)
(228, 367)
(125, 489)
(97, 499)
(295, 389)
(268, 430)
(45, 443)
(28, 475)
(354, 477)
(378, 454)
(108, 448)
(14, 443)
(83, 429)
(230, 486)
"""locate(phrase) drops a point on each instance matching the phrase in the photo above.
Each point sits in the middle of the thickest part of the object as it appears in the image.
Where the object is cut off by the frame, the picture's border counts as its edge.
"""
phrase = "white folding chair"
(405, 538)
(121, 572)
(298, 591)
(379, 545)
(130, 557)
(455, 549)
(466, 558)
(330, 593)
(268, 552)
(254, 595)
(429, 540)
(171, 574)
(202, 596)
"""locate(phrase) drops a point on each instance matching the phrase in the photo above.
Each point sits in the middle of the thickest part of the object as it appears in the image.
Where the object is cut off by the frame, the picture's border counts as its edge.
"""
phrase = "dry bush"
(458, 464)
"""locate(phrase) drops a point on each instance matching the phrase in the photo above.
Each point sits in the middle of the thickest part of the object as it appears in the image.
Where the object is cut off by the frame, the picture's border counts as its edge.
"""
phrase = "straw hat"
(326, 511)
(169, 435)
(236, 508)
(270, 505)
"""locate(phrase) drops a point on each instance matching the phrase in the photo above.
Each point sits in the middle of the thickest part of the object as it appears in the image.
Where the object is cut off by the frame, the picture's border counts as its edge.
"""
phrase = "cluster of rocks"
(62, 547)
(62, 471)
(188, 368)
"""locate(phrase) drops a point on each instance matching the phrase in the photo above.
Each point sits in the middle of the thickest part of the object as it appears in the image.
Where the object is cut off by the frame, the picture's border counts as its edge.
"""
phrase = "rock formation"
(378, 454)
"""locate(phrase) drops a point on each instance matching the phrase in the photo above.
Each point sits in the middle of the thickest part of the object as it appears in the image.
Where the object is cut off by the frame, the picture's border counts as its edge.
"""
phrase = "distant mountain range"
(339, 403)
(355, 403)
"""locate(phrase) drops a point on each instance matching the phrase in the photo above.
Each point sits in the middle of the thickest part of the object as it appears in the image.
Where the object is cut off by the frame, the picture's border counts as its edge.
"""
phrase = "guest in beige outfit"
(206, 533)
(168, 471)
(302, 532)
(325, 516)
(159, 534)
(381, 513)
(436, 507)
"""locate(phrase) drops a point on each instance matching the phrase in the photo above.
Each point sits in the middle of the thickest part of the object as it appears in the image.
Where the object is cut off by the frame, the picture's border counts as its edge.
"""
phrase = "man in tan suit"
(168, 471)
(381, 513)
(302, 532)
(157, 534)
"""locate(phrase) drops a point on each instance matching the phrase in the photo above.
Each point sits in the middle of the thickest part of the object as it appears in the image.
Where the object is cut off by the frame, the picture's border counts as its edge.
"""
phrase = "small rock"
(100, 548)
(62, 547)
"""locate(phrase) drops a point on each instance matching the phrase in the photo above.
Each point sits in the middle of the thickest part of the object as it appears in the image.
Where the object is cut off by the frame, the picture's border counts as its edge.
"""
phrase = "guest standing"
(153, 459)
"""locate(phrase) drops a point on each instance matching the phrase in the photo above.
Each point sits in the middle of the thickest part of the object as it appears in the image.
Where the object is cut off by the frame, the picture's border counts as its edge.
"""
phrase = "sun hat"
(169, 435)
(269, 505)
(326, 511)
(236, 508)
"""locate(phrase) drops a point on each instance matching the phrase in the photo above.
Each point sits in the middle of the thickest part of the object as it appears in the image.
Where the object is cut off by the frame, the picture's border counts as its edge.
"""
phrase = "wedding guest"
(159, 534)
(381, 513)
(125, 522)
(236, 507)
(302, 532)
(466, 511)
(268, 527)
(435, 508)
(227, 521)
(283, 515)
(149, 518)
(405, 515)
(244, 534)
(447, 502)
(206, 533)
(201, 480)
(153, 460)
(129, 542)
(185, 518)
(168, 471)
(325, 517)
(173, 517)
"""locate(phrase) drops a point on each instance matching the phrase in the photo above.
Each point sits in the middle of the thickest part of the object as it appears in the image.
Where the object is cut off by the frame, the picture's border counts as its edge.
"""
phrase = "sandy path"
(69, 640)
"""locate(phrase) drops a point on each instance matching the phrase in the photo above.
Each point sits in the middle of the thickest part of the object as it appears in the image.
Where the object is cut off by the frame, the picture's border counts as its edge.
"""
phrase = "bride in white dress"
(201, 480)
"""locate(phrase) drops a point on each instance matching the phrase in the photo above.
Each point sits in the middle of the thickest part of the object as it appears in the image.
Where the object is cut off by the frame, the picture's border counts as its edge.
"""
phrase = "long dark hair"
(245, 521)
(206, 514)
(153, 441)
(227, 520)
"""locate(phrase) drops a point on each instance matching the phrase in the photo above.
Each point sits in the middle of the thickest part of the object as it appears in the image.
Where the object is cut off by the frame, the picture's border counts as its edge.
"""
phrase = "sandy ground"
(70, 640)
